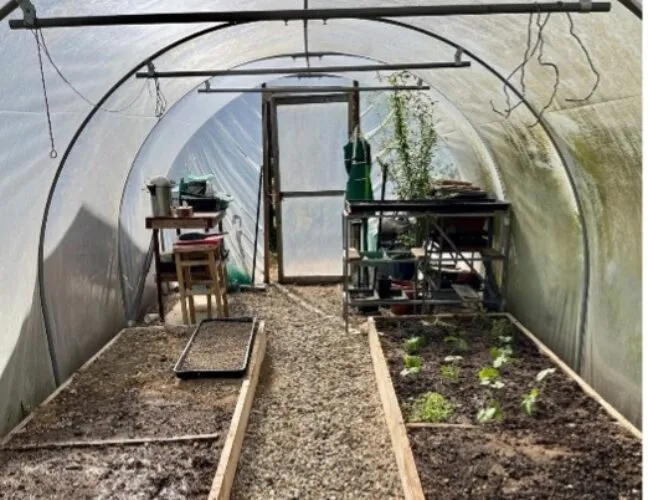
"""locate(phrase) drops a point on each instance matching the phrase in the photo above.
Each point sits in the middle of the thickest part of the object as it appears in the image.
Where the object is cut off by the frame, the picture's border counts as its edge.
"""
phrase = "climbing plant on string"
(411, 149)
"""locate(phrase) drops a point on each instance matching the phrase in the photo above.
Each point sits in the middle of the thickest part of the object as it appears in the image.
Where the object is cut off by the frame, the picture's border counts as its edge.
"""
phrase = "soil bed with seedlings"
(507, 422)
(218, 346)
(129, 393)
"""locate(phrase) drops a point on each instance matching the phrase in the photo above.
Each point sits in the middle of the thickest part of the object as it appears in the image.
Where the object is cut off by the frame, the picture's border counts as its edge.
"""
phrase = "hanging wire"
(556, 77)
(75, 90)
(528, 54)
(53, 153)
(572, 32)
(160, 100)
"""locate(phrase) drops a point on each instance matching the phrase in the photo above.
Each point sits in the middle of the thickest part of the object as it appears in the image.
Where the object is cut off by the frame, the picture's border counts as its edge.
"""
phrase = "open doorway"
(305, 182)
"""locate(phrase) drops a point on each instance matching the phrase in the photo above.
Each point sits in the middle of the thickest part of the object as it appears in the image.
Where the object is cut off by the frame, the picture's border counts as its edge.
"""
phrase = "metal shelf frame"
(436, 251)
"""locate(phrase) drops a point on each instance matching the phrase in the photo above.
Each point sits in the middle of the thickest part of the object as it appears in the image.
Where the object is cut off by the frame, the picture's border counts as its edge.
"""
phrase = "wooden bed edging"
(231, 452)
(60, 388)
(397, 431)
(587, 389)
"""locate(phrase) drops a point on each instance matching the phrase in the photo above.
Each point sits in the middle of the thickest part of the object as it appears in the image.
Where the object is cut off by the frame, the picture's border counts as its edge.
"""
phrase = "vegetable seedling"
(412, 365)
(450, 372)
(459, 343)
(530, 399)
(492, 413)
(489, 376)
(501, 355)
(414, 345)
(431, 407)
(501, 328)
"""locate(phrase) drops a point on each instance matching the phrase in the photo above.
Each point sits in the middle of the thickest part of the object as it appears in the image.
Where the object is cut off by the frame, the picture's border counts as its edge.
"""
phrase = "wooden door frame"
(272, 194)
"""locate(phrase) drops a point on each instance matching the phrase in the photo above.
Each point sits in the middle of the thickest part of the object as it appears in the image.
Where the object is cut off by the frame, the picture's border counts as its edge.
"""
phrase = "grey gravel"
(317, 429)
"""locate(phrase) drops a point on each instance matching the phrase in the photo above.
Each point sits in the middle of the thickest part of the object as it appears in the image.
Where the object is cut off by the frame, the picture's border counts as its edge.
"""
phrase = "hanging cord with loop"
(53, 153)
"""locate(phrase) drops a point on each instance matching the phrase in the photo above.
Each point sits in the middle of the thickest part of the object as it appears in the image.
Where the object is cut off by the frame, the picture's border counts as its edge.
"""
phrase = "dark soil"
(515, 464)
(126, 472)
(577, 441)
(131, 391)
(219, 345)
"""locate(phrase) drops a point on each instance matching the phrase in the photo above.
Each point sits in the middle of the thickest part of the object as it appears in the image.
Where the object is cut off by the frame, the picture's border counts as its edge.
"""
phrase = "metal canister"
(160, 190)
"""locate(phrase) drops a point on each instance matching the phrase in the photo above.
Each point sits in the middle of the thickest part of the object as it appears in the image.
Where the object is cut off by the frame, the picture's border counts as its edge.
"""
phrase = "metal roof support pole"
(29, 11)
(457, 63)
(373, 13)
(307, 90)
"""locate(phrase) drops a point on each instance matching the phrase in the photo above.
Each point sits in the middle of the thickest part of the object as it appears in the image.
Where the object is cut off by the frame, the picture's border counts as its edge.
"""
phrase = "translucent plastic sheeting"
(94, 59)
(313, 245)
(310, 138)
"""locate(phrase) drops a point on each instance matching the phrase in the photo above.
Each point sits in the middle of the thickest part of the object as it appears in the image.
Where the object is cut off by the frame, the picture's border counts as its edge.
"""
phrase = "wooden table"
(204, 221)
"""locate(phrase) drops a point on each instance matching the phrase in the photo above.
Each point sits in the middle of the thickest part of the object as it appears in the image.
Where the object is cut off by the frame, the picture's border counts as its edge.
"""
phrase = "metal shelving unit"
(438, 249)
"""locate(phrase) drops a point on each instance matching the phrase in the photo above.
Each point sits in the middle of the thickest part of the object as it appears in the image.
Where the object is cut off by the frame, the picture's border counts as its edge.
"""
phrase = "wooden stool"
(201, 263)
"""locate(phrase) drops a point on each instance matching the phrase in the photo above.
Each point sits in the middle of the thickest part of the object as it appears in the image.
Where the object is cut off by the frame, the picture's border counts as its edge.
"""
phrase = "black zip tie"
(53, 154)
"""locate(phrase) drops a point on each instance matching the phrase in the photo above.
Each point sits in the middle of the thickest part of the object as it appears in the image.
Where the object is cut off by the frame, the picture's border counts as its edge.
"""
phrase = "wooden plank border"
(397, 431)
(62, 387)
(231, 452)
(587, 389)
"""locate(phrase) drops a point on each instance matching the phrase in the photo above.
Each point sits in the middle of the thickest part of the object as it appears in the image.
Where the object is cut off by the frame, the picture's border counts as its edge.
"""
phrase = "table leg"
(158, 277)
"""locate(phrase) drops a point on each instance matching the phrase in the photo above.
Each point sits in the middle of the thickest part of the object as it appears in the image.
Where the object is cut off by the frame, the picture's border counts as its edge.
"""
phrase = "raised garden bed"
(125, 427)
(528, 427)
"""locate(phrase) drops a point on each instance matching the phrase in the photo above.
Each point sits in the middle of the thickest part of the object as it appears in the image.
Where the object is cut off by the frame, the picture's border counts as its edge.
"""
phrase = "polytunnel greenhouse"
(320, 249)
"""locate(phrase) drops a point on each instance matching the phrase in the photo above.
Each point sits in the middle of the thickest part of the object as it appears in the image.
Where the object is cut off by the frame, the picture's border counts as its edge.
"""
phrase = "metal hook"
(151, 68)
(458, 55)
(29, 12)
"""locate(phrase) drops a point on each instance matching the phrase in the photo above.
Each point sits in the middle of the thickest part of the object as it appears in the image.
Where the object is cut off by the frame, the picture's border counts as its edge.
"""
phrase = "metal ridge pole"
(305, 90)
(316, 14)
(311, 70)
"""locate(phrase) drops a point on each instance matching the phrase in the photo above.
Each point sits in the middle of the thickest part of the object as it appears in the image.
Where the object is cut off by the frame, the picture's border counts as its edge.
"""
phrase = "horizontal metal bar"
(306, 90)
(302, 71)
(311, 194)
(303, 14)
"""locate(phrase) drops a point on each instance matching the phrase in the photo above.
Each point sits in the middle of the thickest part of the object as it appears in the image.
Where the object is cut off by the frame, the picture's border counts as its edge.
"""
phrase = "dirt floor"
(569, 448)
(128, 392)
(219, 346)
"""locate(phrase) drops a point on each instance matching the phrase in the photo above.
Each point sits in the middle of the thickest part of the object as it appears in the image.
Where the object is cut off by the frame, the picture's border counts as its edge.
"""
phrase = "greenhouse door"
(308, 136)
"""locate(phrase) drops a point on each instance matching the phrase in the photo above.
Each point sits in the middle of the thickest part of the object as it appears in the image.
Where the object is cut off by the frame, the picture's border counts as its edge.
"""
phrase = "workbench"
(204, 221)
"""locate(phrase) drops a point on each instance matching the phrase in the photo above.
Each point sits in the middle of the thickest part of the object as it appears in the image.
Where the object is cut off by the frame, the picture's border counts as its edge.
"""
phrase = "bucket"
(160, 191)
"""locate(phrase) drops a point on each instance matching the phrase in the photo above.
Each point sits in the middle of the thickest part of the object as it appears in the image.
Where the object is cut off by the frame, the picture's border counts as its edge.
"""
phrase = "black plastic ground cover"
(189, 374)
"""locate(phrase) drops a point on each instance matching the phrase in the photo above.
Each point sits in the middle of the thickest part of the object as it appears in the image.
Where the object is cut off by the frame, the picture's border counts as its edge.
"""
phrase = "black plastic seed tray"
(183, 372)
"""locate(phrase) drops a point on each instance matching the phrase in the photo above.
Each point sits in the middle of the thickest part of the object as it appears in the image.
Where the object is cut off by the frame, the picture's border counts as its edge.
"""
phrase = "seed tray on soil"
(218, 348)
(130, 391)
(580, 439)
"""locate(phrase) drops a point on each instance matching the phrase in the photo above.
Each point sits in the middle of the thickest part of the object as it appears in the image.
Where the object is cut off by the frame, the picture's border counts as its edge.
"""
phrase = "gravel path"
(317, 428)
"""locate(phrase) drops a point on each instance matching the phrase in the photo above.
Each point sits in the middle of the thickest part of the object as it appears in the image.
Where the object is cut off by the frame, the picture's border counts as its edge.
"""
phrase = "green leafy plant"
(492, 413)
(450, 372)
(414, 345)
(501, 355)
(459, 343)
(412, 365)
(431, 407)
(490, 377)
(530, 399)
(412, 148)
